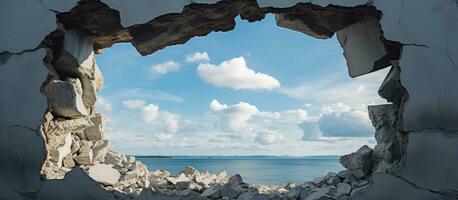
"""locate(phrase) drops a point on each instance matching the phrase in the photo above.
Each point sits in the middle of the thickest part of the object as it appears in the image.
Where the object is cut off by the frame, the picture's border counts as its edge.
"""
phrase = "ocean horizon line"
(235, 156)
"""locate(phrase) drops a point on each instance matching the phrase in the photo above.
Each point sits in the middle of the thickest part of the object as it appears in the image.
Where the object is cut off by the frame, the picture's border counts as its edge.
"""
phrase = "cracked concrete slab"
(24, 26)
(22, 153)
(76, 185)
(402, 21)
(385, 187)
(21, 102)
(432, 159)
(430, 80)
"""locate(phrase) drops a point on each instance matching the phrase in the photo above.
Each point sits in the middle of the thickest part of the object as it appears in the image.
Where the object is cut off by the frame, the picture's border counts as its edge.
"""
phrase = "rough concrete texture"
(389, 187)
(429, 155)
(416, 135)
(428, 29)
(22, 151)
(66, 98)
(362, 47)
(76, 185)
(16, 35)
(21, 103)
(391, 88)
(429, 75)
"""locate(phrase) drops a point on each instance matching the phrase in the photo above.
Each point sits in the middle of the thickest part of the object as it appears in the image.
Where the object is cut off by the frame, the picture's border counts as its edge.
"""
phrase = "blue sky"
(259, 89)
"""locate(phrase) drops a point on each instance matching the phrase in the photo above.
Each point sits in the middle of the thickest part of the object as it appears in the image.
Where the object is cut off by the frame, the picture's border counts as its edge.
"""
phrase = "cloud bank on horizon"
(183, 103)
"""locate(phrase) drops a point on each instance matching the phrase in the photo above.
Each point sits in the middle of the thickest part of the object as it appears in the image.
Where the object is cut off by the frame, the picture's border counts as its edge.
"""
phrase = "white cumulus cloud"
(296, 116)
(152, 115)
(266, 137)
(149, 113)
(164, 68)
(234, 118)
(311, 130)
(198, 57)
(171, 121)
(216, 106)
(338, 120)
(235, 73)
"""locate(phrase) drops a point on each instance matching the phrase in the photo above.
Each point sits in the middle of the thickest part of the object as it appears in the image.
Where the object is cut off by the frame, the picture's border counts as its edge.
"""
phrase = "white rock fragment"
(129, 175)
(95, 132)
(128, 159)
(77, 52)
(104, 174)
(84, 158)
(64, 149)
(180, 178)
(205, 179)
(222, 177)
(68, 161)
(113, 158)
(65, 98)
(100, 150)
(190, 172)
(78, 59)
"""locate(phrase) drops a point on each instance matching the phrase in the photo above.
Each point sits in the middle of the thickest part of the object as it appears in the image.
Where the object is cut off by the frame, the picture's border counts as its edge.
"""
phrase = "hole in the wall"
(152, 36)
(303, 104)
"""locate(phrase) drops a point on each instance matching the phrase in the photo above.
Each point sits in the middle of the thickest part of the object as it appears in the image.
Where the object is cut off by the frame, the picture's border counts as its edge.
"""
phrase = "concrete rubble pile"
(192, 184)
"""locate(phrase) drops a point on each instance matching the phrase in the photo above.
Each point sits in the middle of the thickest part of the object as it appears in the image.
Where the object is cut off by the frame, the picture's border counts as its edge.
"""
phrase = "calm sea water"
(268, 170)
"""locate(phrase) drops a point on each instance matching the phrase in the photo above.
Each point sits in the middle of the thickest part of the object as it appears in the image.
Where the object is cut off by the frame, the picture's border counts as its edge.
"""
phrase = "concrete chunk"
(113, 158)
(65, 98)
(362, 46)
(361, 160)
(391, 88)
(95, 132)
(104, 174)
(212, 192)
(85, 157)
(100, 150)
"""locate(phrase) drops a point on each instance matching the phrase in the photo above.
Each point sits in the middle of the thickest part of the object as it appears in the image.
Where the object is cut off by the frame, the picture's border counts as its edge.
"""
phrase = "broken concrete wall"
(49, 81)
(21, 77)
(427, 32)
